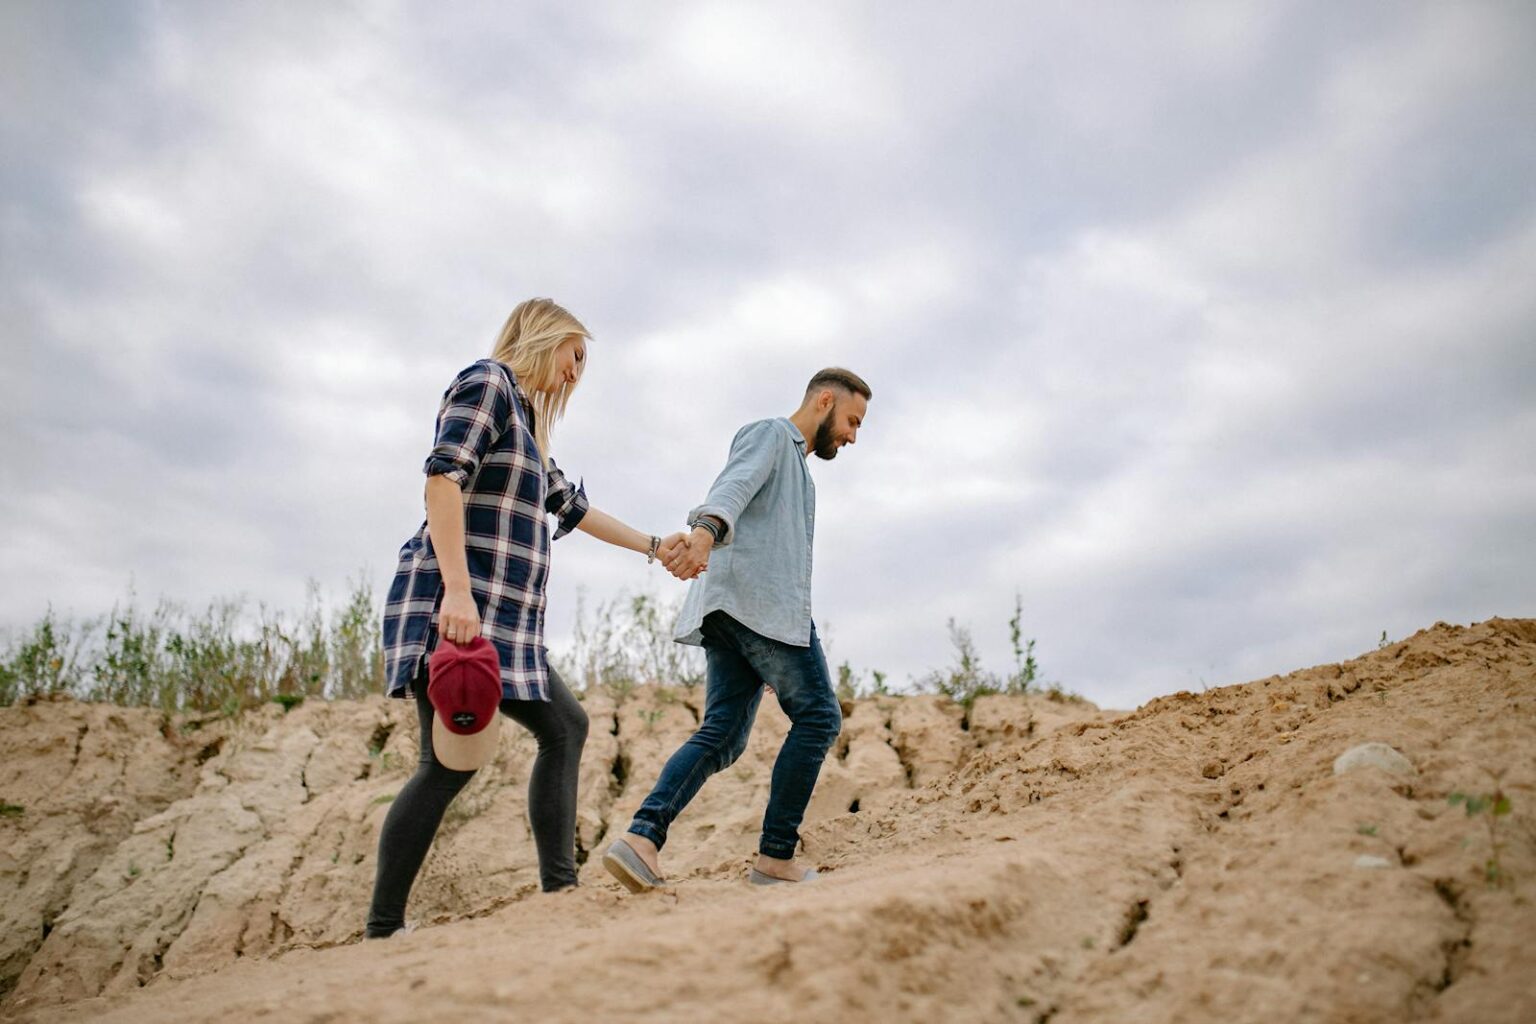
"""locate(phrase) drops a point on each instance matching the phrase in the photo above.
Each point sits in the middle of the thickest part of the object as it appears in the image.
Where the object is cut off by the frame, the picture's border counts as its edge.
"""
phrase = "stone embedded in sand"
(1370, 862)
(1373, 755)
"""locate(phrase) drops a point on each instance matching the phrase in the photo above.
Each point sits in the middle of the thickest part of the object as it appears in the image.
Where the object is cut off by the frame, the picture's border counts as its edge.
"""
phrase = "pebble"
(1373, 755)
(1370, 862)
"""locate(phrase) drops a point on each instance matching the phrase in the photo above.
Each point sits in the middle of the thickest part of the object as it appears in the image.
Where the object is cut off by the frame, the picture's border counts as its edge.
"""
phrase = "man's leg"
(800, 678)
(732, 694)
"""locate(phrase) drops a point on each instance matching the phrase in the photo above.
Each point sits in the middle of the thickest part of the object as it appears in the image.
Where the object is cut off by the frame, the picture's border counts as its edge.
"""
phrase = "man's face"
(841, 424)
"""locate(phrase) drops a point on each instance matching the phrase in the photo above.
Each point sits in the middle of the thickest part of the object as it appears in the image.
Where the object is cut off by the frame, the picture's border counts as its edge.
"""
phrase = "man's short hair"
(837, 377)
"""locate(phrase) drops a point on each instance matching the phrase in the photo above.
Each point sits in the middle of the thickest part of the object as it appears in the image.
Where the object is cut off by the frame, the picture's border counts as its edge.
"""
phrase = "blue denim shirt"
(760, 571)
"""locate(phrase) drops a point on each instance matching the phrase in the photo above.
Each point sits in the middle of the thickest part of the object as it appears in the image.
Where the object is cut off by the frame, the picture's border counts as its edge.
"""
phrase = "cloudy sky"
(1208, 329)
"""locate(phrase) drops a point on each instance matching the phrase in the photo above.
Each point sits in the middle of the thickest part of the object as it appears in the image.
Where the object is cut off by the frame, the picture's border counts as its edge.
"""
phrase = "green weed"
(965, 680)
(1491, 808)
(10, 810)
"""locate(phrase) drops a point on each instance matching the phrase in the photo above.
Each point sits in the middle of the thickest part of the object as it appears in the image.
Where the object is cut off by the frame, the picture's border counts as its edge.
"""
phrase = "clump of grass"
(628, 641)
(10, 810)
(965, 680)
(650, 716)
(221, 659)
(1491, 808)
(851, 684)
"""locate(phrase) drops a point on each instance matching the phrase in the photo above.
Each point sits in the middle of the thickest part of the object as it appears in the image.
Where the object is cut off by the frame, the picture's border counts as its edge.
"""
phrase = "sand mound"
(1197, 860)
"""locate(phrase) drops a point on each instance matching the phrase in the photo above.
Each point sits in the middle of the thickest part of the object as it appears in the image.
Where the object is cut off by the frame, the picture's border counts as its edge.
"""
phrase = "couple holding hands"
(464, 621)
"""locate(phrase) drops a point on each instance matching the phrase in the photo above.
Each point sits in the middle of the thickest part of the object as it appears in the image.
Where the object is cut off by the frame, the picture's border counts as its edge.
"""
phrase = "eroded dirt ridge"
(1198, 859)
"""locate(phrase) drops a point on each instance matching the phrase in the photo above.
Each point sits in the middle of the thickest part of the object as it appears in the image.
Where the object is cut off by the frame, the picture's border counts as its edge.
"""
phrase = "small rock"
(1212, 770)
(1370, 862)
(1373, 755)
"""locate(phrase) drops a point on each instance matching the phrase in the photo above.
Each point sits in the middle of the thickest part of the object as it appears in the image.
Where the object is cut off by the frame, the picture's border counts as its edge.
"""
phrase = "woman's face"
(570, 361)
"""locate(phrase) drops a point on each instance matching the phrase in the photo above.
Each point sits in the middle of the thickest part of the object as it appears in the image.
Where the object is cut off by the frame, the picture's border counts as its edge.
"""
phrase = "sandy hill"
(1201, 859)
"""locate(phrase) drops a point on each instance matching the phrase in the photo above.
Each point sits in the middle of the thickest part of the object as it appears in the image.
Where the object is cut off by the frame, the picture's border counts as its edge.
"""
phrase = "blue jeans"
(740, 662)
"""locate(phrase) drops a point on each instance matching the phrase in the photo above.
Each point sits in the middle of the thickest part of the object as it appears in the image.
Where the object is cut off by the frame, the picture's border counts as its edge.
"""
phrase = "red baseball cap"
(464, 686)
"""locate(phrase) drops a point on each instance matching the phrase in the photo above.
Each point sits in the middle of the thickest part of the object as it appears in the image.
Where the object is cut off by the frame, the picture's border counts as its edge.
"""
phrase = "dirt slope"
(1197, 860)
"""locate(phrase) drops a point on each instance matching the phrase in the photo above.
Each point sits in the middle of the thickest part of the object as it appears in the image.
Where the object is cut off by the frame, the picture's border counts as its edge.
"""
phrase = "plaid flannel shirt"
(484, 443)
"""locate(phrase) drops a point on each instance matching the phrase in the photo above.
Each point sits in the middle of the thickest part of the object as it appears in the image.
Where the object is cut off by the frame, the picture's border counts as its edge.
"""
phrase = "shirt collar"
(794, 433)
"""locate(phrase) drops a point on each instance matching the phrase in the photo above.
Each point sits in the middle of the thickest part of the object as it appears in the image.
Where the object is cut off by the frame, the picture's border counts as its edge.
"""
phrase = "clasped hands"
(685, 555)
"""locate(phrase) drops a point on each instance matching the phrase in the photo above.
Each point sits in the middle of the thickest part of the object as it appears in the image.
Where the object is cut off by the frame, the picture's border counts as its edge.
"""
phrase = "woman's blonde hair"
(527, 346)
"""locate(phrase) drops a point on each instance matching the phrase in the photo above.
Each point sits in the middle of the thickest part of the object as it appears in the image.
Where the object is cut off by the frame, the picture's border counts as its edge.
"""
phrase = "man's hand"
(687, 555)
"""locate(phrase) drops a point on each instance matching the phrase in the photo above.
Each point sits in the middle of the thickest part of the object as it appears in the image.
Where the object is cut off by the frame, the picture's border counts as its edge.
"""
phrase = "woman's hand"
(458, 620)
(688, 555)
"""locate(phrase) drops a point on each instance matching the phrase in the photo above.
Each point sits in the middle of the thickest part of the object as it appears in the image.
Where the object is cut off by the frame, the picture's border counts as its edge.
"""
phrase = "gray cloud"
(1208, 331)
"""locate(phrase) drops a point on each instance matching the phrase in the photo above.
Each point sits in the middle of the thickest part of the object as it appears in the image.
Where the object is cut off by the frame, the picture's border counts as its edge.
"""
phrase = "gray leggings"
(560, 726)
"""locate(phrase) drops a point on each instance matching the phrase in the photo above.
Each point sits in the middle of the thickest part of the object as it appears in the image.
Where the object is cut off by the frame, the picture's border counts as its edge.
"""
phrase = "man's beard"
(824, 444)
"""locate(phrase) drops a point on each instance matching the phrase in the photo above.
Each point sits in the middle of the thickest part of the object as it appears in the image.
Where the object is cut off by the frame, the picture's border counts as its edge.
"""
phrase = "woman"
(478, 567)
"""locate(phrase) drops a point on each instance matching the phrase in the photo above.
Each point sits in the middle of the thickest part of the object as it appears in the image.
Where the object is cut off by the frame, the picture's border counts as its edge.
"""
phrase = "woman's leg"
(560, 727)
(410, 826)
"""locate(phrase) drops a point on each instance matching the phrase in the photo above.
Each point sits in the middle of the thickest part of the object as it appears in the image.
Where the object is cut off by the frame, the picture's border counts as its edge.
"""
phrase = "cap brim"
(464, 753)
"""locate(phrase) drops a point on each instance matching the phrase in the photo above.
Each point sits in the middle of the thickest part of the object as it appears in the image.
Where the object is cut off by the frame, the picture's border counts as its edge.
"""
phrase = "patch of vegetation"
(852, 686)
(626, 642)
(1491, 808)
(386, 760)
(650, 716)
(965, 680)
(1366, 830)
(289, 701)
(222, 659)
(10, 810)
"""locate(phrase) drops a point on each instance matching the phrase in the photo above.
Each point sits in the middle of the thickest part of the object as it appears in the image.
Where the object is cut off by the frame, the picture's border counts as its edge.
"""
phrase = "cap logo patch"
(464, 719)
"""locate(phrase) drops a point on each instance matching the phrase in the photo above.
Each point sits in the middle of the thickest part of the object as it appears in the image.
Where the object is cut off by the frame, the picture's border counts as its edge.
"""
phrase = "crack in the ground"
(618, 772)
(1135, 916)
(79, 745)
(1454, 950)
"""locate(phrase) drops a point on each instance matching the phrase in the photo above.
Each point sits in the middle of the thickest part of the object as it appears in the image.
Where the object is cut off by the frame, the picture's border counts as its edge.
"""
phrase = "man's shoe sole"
(759, 878)
(625, 864)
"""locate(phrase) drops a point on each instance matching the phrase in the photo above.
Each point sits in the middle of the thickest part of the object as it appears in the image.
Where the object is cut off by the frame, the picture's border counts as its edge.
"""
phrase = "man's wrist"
(710, 525)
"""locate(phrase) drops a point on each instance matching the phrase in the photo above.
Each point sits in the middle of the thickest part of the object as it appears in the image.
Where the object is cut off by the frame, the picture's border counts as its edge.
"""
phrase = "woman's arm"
(604, 527)
(458, 619)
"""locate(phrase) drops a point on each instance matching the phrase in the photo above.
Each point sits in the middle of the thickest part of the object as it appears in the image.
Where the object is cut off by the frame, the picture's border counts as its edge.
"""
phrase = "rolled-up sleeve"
(474, 414)
(754, 452)
(567, 503)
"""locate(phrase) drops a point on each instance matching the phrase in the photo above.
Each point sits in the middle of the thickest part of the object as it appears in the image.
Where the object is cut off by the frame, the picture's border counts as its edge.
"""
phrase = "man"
(752, 615)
